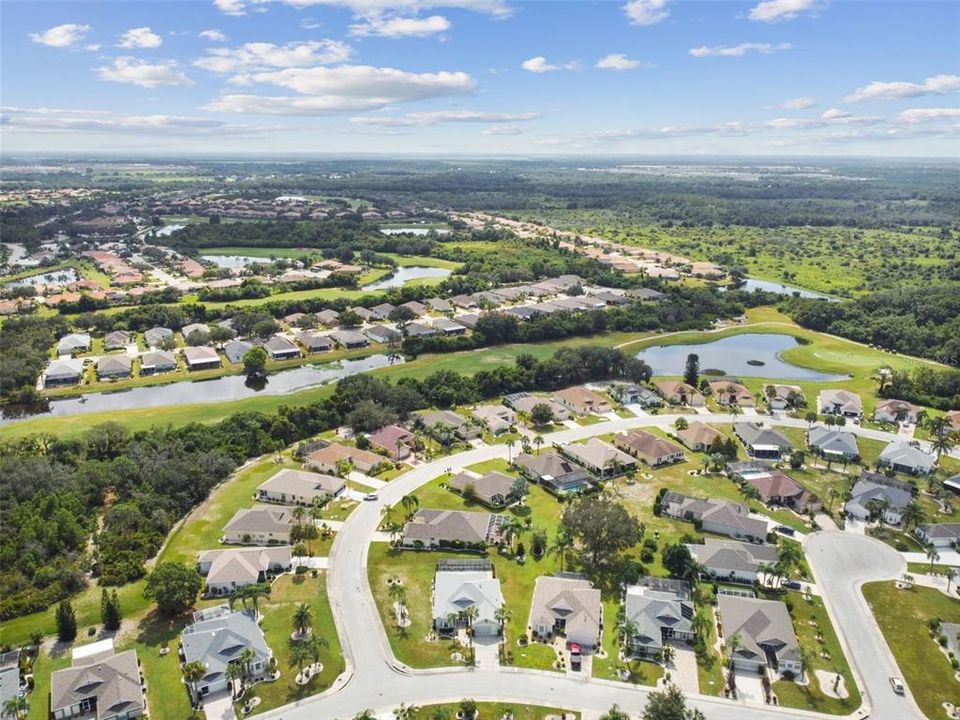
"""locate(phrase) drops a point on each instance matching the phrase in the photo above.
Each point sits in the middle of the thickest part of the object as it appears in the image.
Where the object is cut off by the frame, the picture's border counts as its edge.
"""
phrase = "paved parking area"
(487, 652)
(749, 687)
(683, 668)
(219, 706)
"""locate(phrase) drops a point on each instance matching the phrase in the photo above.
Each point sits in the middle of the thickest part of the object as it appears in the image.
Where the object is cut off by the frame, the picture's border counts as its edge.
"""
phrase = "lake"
(751, 284)
(56, 277)
(232, 387)
(731, 355)
(403, 275)
(234, 262)
(412, 231)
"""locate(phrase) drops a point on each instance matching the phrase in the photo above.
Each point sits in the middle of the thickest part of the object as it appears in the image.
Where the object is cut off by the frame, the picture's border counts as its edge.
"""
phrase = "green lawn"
(495, 711)
(903, 616)
(810, 696)
(288, 591)
(261, 252)
(642, 672)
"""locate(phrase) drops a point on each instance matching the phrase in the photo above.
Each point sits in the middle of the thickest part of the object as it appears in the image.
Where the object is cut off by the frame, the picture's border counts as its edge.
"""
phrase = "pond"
(234, 262)
(412, 231)
(55, 277)
(751, 284)
(169, 230)
(232, 387)
(403, 275)
(738, 355)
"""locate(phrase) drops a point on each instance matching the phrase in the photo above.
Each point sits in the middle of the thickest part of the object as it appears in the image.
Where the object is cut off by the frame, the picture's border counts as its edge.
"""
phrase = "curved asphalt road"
(374, 679)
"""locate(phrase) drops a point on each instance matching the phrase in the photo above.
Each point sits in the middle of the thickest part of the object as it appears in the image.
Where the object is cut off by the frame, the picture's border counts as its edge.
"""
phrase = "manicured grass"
(810, 696)
(495, 711)
(261, 252)
(903, 616)
(709, 663)
(590, 420)
(642, 672)
(423, 261)
(287, 592)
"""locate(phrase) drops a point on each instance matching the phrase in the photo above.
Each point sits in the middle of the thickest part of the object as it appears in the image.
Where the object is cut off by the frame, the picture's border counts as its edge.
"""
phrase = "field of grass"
(496, 711)
(903, 616)
(261, 252)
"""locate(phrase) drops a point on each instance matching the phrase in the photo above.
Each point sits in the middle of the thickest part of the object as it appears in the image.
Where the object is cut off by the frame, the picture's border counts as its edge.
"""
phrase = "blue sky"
(791, 77)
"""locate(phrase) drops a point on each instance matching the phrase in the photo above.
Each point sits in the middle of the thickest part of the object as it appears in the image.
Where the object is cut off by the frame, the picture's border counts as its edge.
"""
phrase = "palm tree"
(941, 443)
(245, 658)
(255, 592)
(298, 513)
(502, 615)
(405, 712)
(562, 542)
(233, 673)
(313, 645)
(410, 504)
(512, 529)
(538, 441)
(734, 411)
(733, 644)
(299, 656)
(15, 707)
(932, 555)
(951, 574)
(666, 654)
(365, 715)
(302, 619)
(194, 672)
(511, 443)
(681, 423)
(811, 418)
(912, 515)
(440, 713)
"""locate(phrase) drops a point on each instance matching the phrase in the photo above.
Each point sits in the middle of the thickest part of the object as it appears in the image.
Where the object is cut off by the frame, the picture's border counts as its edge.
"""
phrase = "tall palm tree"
(302, 619)
(15, 707)
(951, 575)
(511, 443)
(233, 673)
(941, 443)
(502, 615)
(314, 645)
(562, 542)
(912, 515)
(538, 441)
(255, 592)
(410, 504)
(932, 554)
(734, 411)
(299, 656)
(405, 712)
(733, 644)
(194, 672)
(245, 658)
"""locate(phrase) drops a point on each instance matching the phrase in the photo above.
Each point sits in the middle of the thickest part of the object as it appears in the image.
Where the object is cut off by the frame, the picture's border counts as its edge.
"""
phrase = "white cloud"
(836, 114)
(539, 64)
(936, 85)
(397, 27)
(143, 73)
(213, 35)
(646, 12)
(778, 10)
(363, 9)
(424, 119)
(503, 130)
(923, 115)
(263, 56)
(93, 47)
(738, 50)
(59, 120)
(61, 36)
(142, 37)
(799, 103)
(231, 7)
(617, 61)
(347, 88)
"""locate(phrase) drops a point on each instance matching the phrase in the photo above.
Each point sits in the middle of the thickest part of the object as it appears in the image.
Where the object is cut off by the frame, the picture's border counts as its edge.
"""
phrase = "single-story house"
(315, 342)
(296, 487)
(644, 294)
(460, 426)
(872, 488)
(395, 441)
(727, 392)
(325, 459)
(154, 337)
(363, 313)
(698, 436)
(658, 615)
(554, 472)
(767, 638)
(569, 607)
(294, 318)
(832, 443)
(218, 637)
(468, 320)
(906, 457)
(761, 441)
(383, 334)
(497, 419)
(732, 559)
(279, 348)
(451, 528)
(188, 330)
(713, 515)
(100, 683)
(330, 318)
(415, 307)
(63, 372)
(525, 402)
(416, 329)
(74, 342)
(349, 339)
(465, 301)
(259, 525)
(783, 397)
(582, 401)
(232, 568)
(235, 350)
(117, 339)
(157, 361)
(492, 489)
(840, 402)
(456, 593)
(600, 457)
(778, 488)
(439, 305)
(448, 326)
(201, 357)
(940, 535)
(680, 393)
(653, 450)
(114, 366)
(896, 411)
(382, 311)
(633, 394)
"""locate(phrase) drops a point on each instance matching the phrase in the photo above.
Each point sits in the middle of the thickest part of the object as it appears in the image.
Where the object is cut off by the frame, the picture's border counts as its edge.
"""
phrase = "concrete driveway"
(683, 668)
(749, 687)
(219, 706)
